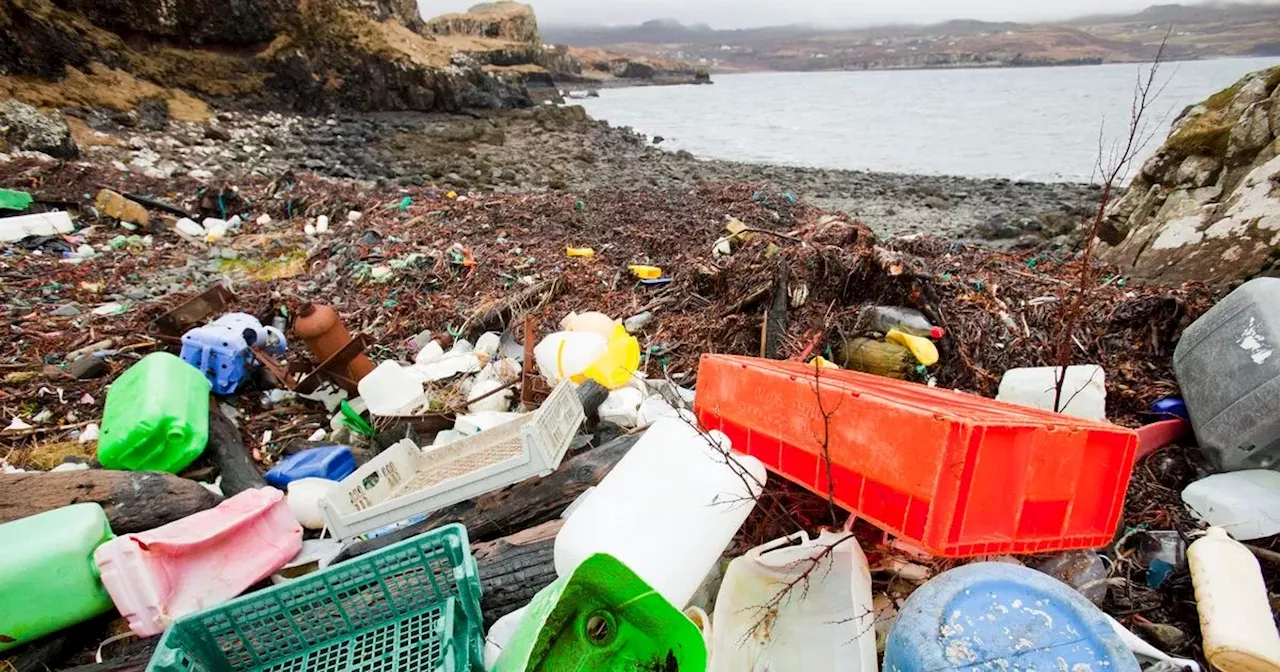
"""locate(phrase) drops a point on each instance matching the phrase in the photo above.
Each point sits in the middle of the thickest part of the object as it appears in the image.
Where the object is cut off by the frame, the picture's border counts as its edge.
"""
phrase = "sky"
(833, 13)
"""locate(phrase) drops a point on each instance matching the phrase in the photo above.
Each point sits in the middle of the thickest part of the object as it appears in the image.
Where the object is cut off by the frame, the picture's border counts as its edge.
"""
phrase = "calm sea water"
(1028, 123)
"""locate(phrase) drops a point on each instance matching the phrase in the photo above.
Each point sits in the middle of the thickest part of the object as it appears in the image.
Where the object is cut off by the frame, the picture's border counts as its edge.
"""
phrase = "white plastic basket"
(407, 481)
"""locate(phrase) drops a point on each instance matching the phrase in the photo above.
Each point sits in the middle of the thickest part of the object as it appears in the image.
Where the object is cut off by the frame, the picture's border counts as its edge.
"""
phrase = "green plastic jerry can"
(602, 617)
(48, 580)
(156, 417)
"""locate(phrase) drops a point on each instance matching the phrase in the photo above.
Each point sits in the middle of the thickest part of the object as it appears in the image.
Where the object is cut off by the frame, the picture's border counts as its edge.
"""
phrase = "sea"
(1039, 124)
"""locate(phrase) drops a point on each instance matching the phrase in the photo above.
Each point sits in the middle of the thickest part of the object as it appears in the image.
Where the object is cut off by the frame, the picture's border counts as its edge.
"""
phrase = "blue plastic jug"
(220, 349)
(332, 462)
(991, 615)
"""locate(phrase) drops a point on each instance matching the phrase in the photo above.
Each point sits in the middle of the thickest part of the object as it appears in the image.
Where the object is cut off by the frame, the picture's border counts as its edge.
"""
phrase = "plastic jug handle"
(798, 539)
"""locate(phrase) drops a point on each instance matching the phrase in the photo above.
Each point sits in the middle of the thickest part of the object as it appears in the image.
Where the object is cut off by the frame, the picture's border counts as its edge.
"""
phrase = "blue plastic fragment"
(1171, 406)
(221, 349)
(332, 462)
(656, 281)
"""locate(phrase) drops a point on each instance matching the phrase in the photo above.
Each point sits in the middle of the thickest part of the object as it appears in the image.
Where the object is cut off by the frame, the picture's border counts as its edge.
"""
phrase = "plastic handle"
(798, 539)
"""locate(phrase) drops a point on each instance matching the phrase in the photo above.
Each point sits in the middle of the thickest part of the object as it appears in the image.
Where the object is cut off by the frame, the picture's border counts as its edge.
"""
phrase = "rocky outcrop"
(1206, 206)
(589, 65)
(316, 56)
(23, 127)
(509, 21)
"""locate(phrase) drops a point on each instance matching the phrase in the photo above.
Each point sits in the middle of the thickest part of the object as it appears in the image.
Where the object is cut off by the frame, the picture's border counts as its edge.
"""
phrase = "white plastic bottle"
(1235, 615)
(667, 510)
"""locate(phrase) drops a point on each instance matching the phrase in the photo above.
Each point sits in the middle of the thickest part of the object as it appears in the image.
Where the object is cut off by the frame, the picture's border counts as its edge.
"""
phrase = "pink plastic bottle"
(158, 576)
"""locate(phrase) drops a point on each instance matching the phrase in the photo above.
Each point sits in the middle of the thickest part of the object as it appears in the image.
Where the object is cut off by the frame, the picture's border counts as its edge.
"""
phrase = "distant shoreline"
(979, 66)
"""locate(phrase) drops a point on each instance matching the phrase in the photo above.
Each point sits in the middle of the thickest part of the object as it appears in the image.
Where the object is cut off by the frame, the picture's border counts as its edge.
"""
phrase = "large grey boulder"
(1206, 207)
(23, 127)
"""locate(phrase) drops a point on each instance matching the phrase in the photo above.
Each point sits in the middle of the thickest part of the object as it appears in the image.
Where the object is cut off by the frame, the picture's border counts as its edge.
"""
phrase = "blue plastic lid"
(991, 615)
(1171, 406)
(332, 462)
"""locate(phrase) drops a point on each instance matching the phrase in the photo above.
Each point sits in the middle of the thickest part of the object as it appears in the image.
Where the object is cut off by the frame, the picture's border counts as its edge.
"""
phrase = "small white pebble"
(354, 216)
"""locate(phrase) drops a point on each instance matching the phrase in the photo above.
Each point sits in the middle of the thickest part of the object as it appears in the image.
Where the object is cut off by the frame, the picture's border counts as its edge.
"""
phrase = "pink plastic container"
(158, 576)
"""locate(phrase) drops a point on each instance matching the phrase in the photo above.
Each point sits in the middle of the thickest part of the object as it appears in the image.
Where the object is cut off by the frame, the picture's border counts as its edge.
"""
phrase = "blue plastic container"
(992, 615)
(220, 349)
(332, 462)
(1171, 407)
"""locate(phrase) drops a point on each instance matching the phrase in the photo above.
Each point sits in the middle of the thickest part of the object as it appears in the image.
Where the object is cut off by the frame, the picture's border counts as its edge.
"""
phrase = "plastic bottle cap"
(937, 332)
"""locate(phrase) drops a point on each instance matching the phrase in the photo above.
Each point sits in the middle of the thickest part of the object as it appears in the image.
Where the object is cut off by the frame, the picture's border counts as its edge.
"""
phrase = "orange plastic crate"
(955, 474)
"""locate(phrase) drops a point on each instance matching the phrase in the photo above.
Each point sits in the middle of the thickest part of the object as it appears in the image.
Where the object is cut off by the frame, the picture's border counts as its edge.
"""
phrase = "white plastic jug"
(1235, 615)
(390, 389)
(568, 353)
(667, 510)
(823, 624)
(1084, 391)
(1246, 504)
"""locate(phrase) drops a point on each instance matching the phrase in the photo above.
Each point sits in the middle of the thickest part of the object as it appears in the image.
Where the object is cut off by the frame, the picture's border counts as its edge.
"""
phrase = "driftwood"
(514, 568)
(521, 506)
(134, 501)
(226, 447)
(133, 658)
(494, 314)
(49, 653)
(774, 328)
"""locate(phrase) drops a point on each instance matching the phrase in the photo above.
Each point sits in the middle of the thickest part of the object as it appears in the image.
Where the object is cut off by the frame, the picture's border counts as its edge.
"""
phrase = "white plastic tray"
(407, 481)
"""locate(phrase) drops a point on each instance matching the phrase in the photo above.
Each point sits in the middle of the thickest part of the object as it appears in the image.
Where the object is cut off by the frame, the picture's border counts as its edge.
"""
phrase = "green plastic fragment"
(12, 199)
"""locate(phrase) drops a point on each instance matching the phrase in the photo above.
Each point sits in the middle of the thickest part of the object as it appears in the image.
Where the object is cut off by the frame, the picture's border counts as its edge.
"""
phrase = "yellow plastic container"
(645, 272)
(585, 252)
(619, 363)
(924, 350)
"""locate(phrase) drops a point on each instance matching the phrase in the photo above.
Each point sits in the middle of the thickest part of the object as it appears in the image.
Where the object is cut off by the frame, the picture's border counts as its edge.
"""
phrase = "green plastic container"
(413, 606)
(47, 577)
(603, 617)
(156, 417)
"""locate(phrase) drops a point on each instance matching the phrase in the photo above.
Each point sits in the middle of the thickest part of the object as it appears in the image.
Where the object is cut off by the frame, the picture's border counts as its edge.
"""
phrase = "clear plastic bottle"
(906, 320)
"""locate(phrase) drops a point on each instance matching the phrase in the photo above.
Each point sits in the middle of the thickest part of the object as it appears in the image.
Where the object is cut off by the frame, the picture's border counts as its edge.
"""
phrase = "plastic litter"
(942, 478)
(12, 199)
(667, 510)
(591, 321)
(619, 363)
(316, 554)
(496, 401)
(827, 624)
(406, 481)
(1235, 614)
(157, 576)
(487, 345)
(921, 348)
(47, 578)
(602, 616)
(996, 615)
(156, 416)
(329, 462)
(906, 320)
(645, 272)
(191, 228)
(1082, 570)
(1084, 390)
(391, 389)
(303, 498)
(585, 252)
(221, 349)
(1228, 368)
(564, 354)
(414, 605)
(1246, 504)
(1142, 649)
(622, 407)
(40, 224)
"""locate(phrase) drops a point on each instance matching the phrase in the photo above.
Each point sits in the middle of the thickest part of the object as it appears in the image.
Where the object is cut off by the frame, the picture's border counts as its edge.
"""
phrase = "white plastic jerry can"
(1235, 615)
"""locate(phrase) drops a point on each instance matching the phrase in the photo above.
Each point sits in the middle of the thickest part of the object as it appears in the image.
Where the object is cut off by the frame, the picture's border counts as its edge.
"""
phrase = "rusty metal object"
(192, 313)
(533, 389)
(335, 368)
(326, 337)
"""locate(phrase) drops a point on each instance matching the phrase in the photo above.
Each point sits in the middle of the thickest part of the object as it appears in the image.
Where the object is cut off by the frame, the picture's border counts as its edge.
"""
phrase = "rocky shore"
(556, 148)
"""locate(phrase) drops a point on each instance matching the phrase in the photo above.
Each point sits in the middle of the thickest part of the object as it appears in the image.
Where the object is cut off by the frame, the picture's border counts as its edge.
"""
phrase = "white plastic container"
(304, 496)
(390, 389)
(1084, 392)
(823, 624)
(1246, 504)
(568, 353)
(622, 407)
(1235, 615)
(39, 224)
(406, 481)
(667, 510)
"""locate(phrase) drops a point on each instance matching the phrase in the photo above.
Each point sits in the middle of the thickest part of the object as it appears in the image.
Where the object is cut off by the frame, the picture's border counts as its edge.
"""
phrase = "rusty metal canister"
(322, 330)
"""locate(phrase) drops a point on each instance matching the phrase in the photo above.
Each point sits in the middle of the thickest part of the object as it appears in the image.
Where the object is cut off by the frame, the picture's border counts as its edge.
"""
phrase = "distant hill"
(1198, 31)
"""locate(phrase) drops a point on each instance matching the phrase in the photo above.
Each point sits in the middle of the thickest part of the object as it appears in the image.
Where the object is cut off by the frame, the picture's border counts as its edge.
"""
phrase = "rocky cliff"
(311, 55)
(1206, 206)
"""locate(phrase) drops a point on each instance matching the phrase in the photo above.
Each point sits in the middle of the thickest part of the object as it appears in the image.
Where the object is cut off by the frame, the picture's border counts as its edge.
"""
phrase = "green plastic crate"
(410, 607)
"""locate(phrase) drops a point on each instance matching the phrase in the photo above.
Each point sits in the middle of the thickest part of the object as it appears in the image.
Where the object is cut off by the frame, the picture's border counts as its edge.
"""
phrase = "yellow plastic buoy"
(645, 272)
(924, 350)
(580, 252)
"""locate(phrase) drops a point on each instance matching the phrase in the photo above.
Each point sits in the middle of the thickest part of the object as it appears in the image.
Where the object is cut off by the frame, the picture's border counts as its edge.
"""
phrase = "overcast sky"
(835, 13)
